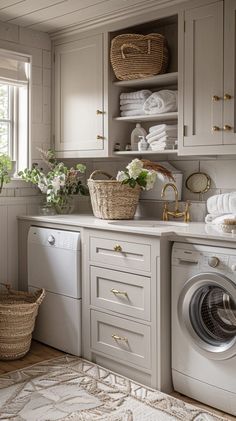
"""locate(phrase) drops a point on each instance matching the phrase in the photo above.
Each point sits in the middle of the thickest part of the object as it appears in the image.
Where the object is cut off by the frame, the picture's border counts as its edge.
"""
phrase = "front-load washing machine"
(204, 324)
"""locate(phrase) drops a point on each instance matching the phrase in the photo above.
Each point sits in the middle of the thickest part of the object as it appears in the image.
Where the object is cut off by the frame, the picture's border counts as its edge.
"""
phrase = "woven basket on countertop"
(111, 199)
(18, 311)
(135, 56)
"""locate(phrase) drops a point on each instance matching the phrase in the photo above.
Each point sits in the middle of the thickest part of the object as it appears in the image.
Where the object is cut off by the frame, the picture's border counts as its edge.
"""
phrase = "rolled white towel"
(218, 219)
(130, 113)
(222, 203)
(161, 102)
(144, 93)
(162, 127)
(128, 107)
(132, 101)
(156, 135)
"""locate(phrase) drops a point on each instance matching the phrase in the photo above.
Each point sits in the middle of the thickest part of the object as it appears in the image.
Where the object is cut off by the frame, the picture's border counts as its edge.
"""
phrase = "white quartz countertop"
(143, 226)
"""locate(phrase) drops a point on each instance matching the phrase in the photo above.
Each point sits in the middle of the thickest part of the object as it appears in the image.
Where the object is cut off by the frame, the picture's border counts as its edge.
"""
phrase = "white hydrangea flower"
(135, 168)
(58, 182)
(42, 184)
(151, 179)
(122, 176)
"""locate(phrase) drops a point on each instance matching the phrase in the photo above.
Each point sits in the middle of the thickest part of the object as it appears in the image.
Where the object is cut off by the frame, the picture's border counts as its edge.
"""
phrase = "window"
(14, 113)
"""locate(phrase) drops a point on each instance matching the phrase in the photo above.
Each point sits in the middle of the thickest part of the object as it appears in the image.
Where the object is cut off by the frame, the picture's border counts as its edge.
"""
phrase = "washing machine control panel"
(215, 261)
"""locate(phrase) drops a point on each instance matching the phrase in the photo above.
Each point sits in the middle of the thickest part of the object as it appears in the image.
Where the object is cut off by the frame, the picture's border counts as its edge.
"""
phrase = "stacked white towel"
(131, 103)
(163, 101)
(221, 206)
(162, 136)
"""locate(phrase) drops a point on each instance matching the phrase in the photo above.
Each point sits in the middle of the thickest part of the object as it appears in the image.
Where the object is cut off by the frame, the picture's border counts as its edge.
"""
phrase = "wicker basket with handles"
(111, 199)
(135, 56)
(18, 311)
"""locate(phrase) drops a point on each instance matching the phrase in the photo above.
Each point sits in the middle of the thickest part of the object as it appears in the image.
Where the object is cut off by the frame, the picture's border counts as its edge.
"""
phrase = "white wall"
(18, 197)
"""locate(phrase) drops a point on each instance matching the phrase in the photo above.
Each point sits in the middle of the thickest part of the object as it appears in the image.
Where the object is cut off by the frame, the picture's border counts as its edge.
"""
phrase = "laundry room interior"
(118, 210)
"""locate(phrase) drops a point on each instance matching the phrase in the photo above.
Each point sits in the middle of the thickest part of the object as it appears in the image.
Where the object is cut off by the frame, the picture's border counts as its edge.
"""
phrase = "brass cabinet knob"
(227, 128)
(100, 137)
(117, 247)
(215, 129)
(99, 112)
(215, 98)
(227, 96)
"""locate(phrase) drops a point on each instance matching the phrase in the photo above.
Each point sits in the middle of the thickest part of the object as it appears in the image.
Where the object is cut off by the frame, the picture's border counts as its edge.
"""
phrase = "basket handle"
(97, 172)
(41, 297)
(134, 47)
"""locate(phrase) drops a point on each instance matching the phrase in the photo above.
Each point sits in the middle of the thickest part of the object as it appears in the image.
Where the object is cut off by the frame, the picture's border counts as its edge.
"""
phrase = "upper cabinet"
(79, 98)
(207, 114)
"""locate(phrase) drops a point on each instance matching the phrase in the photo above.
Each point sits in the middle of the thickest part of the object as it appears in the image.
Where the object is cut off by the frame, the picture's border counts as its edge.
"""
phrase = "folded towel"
(132, 101)
(156, 135)
(164, 144)
(144, 93)
(218, 219)
(162, 127)
(161, 102)
(131, 113)
(222, 203)
(131, 107)
(160, 137)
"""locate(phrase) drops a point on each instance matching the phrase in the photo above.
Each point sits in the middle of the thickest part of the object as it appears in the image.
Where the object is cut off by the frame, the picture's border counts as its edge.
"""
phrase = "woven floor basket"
(18, 311)
(111, 199)
(136, 56)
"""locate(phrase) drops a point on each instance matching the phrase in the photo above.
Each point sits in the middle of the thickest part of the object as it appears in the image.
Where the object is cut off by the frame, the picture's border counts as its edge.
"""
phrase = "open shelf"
(149, 117)
(148, 152)
(154, 81)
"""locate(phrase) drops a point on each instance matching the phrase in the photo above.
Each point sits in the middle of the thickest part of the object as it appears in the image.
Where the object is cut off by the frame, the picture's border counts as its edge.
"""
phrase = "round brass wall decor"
(198, 182)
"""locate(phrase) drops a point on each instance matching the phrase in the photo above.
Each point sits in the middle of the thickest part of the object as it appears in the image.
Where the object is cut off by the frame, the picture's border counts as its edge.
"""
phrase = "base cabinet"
(126, 307)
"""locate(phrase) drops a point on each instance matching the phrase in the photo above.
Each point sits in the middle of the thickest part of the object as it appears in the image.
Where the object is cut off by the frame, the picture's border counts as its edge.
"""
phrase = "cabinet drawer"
(122, 292)
(125, 254)
(121, 339)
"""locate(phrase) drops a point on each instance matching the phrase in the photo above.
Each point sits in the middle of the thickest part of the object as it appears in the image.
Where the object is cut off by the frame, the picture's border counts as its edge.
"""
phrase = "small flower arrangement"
(5, 168)
(59, 184)
(135, 173)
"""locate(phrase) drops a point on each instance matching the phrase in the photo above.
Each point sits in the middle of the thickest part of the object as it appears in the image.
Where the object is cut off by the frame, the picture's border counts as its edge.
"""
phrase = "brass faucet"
(176, 213)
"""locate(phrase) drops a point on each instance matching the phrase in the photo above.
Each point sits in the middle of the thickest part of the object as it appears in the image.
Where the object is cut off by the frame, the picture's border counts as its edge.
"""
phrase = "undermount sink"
(149, 224)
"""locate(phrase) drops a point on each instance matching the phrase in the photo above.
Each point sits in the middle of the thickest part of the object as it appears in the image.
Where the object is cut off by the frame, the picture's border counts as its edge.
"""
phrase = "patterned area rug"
(72, 389)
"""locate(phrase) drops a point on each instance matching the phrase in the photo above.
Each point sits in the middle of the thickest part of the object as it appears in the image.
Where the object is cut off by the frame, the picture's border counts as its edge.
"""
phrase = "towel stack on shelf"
(131, 103)
(164, 101)
(162, 136)
(221, 206)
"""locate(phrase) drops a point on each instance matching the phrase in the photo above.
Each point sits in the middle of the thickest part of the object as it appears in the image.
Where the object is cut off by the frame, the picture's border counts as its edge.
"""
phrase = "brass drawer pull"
(100, 137)
(215, 129)
(117, 247)
(215, 98)
(99, 112)
(227, 96)
(119, 338)
(227, 128)
(117, 292)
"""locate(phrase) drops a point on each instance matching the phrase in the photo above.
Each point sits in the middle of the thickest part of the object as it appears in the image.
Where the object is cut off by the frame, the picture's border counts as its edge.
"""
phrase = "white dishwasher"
(54, 264)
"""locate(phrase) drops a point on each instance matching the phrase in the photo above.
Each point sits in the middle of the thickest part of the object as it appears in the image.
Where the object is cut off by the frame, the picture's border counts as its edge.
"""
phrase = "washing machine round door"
(207, 313)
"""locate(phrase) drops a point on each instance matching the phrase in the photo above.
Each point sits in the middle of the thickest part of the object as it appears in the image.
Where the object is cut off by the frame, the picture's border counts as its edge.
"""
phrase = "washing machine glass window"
(213, 315)
(207, 311)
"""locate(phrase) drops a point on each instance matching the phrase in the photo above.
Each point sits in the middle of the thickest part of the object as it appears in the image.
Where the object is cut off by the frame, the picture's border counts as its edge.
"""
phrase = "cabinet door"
(203, 78)
(230, 73)
(78, 95)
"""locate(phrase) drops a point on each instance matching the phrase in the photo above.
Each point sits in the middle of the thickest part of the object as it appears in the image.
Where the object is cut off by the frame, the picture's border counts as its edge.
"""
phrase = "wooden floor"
(40, 352)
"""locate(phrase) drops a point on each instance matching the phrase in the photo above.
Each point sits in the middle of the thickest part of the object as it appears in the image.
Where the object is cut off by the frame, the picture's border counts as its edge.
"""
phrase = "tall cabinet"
(79, 97)
(208, 67)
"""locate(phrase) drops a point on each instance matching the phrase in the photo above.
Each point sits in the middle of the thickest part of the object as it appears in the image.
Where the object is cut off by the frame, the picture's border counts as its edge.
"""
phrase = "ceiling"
(53, 15)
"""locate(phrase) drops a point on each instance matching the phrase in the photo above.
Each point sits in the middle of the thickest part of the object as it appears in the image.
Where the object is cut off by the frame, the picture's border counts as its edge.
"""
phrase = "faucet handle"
(186, 211)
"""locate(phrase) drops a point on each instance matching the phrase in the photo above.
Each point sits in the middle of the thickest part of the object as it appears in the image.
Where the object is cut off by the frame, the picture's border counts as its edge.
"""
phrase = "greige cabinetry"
(79, 97)
(126, 305)
(208, 80)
